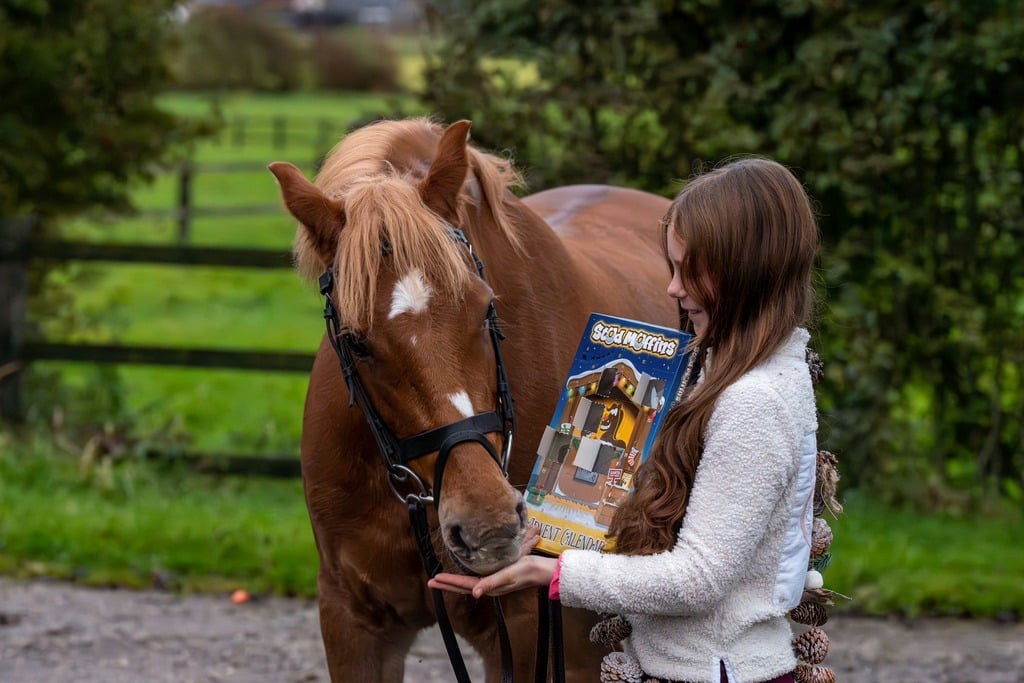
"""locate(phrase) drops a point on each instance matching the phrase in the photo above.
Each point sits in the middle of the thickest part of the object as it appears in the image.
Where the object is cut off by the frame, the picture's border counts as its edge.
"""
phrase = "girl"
(712, 547)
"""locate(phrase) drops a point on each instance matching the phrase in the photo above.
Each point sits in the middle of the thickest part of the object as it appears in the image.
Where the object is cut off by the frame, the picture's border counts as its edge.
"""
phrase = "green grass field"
(134, 523)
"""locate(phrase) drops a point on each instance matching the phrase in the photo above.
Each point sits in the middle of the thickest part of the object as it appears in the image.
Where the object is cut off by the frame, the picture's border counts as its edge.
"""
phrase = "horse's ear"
(322, 217)
(440, 189)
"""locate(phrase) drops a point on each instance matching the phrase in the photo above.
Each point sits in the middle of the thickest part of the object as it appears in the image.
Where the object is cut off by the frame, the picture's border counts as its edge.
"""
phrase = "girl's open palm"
(527, 572)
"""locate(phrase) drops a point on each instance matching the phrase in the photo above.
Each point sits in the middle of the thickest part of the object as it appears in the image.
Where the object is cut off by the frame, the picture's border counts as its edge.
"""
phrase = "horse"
(434, 259)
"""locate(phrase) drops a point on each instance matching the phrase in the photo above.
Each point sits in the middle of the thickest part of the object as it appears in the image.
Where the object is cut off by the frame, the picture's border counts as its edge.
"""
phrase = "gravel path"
(60, 633)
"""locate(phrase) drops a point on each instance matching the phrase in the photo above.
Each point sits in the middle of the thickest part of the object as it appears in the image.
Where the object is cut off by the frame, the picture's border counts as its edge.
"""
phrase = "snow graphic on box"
(625, 376)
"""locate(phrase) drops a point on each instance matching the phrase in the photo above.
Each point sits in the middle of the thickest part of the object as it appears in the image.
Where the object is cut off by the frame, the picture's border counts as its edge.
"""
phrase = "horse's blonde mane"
(375, 172)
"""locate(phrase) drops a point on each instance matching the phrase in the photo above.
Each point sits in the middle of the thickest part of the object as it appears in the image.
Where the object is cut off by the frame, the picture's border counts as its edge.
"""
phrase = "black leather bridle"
(397, 454)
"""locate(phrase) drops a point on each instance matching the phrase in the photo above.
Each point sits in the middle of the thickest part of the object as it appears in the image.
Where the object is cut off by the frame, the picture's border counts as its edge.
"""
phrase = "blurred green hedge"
(903, 120)
(228, 48)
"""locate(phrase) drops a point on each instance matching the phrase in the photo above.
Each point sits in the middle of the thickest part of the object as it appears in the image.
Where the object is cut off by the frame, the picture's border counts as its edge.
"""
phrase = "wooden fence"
(185, 210)
(18, 249)
(317, 135)
(282, 131)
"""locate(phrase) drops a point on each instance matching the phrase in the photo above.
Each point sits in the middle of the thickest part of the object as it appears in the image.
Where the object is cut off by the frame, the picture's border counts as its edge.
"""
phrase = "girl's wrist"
(554, 588)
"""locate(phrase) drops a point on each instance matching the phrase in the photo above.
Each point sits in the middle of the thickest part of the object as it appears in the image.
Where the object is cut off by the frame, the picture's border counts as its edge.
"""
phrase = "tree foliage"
(79, 117)
(904, 121)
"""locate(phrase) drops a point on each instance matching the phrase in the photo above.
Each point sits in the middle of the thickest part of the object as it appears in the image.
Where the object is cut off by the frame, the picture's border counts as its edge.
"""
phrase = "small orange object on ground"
(240, 596)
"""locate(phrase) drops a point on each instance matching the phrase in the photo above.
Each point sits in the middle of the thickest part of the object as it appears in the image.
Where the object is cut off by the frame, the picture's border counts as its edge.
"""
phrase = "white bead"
(814, 580)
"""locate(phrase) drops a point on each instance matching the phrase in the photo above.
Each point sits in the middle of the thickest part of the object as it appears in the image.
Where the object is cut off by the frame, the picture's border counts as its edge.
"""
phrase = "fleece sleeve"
(749, 455)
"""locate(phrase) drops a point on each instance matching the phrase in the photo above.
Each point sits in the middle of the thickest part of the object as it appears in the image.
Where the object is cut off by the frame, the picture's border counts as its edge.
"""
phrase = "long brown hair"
(751, 240)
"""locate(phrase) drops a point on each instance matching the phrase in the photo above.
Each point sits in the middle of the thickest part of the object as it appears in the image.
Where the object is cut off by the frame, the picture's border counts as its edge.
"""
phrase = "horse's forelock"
(376, 167)
(387, 210)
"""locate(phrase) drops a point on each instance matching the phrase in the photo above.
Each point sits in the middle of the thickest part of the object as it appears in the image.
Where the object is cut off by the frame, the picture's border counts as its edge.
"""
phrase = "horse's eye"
(357, 344)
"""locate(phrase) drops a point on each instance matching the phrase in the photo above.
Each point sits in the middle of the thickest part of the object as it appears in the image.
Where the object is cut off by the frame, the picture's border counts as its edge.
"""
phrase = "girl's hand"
(527, 572)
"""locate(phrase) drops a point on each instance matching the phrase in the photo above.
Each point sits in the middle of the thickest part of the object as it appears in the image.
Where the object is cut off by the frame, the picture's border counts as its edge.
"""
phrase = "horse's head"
(414, 314)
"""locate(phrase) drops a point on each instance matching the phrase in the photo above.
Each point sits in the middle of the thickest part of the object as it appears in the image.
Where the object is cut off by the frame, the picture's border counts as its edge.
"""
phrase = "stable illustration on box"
(625, 376)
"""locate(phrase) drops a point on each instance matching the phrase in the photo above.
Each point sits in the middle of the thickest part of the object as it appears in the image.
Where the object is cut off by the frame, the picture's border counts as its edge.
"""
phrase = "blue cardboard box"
(625, 376)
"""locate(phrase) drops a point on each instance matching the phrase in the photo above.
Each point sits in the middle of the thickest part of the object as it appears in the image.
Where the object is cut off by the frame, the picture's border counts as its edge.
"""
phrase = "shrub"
(354, 59)
(903, 120)
(80, 119)
(226, 48)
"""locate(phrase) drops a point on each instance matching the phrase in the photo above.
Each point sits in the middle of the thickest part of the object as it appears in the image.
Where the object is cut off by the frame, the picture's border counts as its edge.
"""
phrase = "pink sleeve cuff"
(553, 587)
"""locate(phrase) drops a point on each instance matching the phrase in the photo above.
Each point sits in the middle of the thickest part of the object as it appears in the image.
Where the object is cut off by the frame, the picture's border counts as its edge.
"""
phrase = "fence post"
(323, 142)
(15, 232)
(184, 201)
(239, 131)
(280, 132)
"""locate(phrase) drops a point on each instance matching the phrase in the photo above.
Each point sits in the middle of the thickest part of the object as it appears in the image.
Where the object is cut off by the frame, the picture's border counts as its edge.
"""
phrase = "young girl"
(712, 547)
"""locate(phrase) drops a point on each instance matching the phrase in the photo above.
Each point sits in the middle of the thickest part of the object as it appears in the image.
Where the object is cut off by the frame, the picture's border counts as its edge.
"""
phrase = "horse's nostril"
(521, 511)
(455, 538)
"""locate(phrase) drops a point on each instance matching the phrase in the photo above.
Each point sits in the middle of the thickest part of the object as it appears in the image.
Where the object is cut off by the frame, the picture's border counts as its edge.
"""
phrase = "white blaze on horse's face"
(462, 403)
(411, 295)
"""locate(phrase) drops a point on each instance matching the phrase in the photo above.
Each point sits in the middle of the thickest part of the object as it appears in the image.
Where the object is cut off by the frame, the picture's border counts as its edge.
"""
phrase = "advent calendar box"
(625, 376)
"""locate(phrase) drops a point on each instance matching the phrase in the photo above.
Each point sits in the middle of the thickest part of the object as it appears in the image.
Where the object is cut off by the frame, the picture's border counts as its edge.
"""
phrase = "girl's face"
(694, 308)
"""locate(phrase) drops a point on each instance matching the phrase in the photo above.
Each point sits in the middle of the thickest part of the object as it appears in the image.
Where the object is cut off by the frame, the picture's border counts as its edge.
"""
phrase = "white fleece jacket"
(740, 560)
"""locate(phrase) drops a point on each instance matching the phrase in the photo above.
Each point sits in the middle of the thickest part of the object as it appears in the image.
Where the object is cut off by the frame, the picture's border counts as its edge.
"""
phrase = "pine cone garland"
(809, 614)
(820, 596)
(810, 673)
(618, 667)
(827, 478)
(821, 537)
(816, 366)
(610, 631)
(811, 647)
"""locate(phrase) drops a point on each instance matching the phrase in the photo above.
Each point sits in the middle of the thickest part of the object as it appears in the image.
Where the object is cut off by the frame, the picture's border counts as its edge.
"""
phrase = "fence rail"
(276, 361)
(16, 252)
(231, 257)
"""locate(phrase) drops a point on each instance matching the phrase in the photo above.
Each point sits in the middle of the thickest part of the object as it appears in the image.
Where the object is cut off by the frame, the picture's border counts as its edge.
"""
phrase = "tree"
(79, 118)
(78, 122)
(902, 118)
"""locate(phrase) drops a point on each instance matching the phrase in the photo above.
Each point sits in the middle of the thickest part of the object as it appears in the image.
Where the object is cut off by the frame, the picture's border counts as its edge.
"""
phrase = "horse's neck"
(544, 267)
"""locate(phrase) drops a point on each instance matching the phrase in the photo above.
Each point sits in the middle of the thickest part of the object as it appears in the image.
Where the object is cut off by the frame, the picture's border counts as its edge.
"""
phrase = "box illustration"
(625, 376)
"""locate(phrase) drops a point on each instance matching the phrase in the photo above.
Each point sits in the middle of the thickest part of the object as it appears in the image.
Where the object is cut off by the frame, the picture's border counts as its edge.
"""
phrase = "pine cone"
(809, 614)
(816, 366)
(811, 647)
(610, 631)
(827, 478)
(618, 667)
(809, 673)
(821, 537)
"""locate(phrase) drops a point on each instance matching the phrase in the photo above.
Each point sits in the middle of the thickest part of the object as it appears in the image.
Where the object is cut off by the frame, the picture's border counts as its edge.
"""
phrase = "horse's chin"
(484, 563)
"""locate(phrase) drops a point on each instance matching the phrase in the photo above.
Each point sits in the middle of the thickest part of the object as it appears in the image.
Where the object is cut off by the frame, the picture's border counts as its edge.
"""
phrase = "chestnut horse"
(415, 311)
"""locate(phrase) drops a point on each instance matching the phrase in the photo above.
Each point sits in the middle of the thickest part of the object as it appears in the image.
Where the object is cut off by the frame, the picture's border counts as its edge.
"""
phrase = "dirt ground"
(60, 633)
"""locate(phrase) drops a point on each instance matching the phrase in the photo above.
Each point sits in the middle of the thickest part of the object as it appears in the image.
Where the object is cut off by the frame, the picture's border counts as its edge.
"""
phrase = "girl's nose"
(675, 288)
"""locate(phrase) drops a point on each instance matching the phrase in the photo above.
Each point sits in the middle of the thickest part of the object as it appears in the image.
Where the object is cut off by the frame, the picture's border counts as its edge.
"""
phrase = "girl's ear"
(440, 189)
(322, 217)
